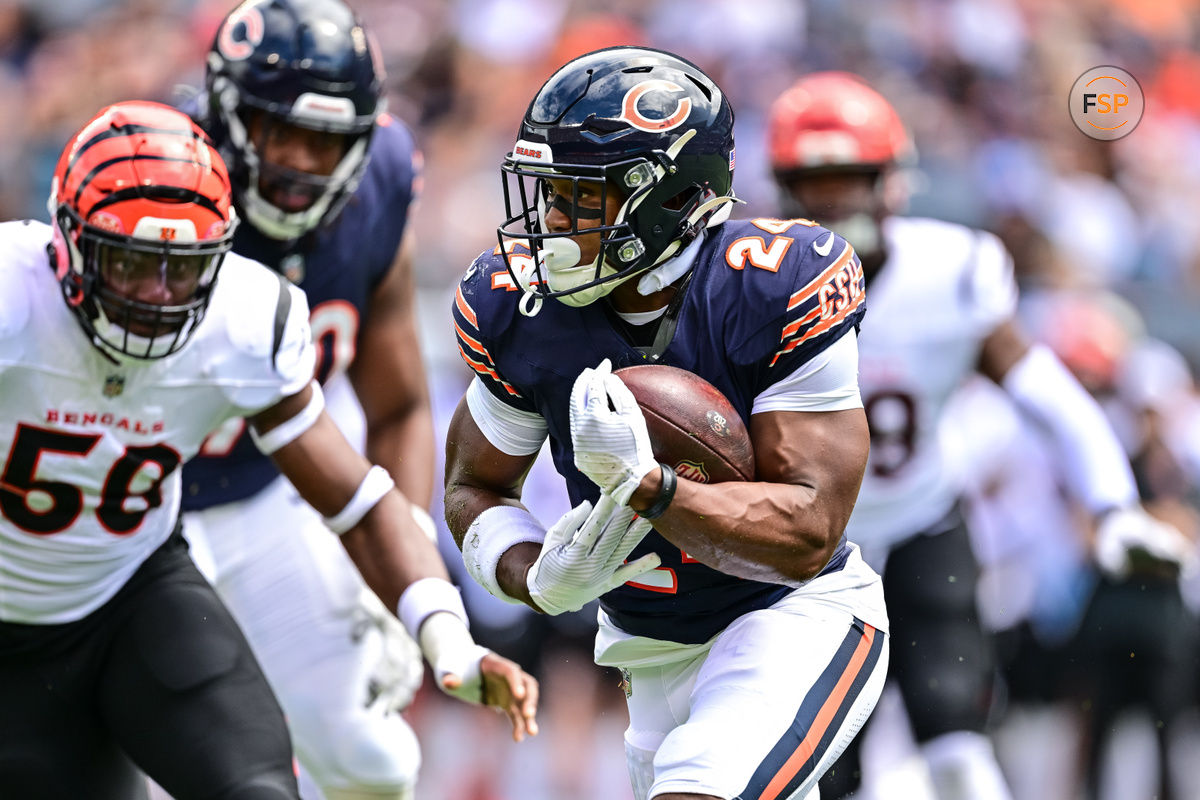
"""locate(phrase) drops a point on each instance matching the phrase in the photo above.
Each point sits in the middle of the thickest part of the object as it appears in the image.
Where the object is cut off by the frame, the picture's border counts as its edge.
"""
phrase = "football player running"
(751, 634)
(323, 179)
(117, 357)
(942, 304)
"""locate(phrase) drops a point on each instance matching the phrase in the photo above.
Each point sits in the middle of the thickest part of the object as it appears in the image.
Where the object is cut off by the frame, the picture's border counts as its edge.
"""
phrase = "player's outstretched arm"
(395, 557)
(782, 527)
(1096, 466)
(388, 376)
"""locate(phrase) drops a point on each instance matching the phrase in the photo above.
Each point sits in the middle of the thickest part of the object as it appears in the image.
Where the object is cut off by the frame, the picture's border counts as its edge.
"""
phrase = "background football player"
(323, 178)
(751, 633)
(942, 306)
(116, 359)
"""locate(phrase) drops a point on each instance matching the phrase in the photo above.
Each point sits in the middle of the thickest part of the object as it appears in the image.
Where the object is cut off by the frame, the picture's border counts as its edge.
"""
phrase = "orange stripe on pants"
(832, 703)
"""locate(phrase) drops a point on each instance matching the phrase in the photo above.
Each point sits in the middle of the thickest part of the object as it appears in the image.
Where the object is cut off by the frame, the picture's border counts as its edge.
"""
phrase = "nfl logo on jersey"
(292, 267)
(114, 385)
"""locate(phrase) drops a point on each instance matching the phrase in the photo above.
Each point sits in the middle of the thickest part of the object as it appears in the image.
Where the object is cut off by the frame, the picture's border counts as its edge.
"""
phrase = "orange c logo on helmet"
(631, 114)
(252, 37)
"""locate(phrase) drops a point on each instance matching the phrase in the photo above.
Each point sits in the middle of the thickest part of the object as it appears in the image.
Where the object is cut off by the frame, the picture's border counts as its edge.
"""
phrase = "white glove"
(612, 447)
(1128, 529)
(400, 668)
(584, 556)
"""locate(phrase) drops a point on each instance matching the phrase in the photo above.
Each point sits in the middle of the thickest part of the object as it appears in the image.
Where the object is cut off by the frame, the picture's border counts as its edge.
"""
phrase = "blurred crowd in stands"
(1104, 236)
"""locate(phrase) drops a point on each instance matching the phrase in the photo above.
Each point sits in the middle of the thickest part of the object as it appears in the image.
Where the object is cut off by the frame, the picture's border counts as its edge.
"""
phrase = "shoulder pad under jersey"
(391, 181)
(256, 335)
(970, 267)
(22, 255)
(393, 147)
(793, 288)
(484, 307)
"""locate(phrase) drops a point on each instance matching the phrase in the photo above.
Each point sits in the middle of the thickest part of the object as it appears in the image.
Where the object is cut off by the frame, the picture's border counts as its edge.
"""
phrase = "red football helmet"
(833, 143)
(142, 216)
(833, 120)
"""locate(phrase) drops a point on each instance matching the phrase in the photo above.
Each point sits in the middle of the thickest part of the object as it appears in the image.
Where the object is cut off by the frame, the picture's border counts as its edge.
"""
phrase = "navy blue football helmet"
(307, 63)
(643, 123)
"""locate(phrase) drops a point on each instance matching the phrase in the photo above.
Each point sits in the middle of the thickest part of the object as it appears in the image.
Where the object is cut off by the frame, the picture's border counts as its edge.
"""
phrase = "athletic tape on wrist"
(490, 536)
(288, 431)
(429, 596)
(448, 647)
(375, 484)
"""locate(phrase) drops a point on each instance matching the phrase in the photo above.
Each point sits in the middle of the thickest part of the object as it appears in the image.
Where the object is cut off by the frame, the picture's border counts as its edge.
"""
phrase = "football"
(693, 427)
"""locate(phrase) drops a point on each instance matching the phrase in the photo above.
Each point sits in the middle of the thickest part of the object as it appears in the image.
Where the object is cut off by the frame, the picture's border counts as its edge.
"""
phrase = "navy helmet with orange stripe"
(304, 63)
(142, 217)
(644, 124)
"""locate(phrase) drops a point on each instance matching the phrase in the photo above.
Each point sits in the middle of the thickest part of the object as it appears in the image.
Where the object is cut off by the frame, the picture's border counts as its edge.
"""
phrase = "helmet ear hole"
(60, 256)
(681, 199)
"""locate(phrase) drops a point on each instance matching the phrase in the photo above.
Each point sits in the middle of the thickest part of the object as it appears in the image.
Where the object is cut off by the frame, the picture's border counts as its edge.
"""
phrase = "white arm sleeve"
(510, 430)
(1096, 466)
(826, 382)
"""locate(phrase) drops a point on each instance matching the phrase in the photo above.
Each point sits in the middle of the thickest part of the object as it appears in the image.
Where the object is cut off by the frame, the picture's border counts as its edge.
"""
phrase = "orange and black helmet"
(139, 193)
(834, 121)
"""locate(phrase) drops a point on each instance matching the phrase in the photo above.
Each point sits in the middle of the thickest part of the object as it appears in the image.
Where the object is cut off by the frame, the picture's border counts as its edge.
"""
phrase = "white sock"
(964, 767)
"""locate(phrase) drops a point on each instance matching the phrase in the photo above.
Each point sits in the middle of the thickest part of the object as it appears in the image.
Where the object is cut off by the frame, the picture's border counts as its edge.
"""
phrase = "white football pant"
(340, 664)
(765, 708)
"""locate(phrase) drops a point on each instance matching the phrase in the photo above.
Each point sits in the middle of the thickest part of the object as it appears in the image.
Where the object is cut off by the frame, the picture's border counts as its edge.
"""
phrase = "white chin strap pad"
(560, 255)
(560, 262)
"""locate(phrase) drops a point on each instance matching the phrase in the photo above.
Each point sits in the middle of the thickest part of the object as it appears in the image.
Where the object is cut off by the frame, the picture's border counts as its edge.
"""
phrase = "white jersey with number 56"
(943, 289)
(91, 449)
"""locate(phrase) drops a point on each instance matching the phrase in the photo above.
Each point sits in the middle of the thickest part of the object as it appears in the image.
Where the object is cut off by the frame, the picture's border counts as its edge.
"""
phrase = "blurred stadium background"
(1104, 234)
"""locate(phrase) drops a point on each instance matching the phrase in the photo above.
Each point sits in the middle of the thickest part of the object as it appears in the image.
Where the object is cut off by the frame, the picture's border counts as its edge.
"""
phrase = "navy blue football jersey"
(764, 297)
(338, 266)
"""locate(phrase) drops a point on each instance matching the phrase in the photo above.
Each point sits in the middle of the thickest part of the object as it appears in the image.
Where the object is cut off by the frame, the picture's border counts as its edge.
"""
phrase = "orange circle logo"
(240, 48)
(667, 118)
(1106, 103)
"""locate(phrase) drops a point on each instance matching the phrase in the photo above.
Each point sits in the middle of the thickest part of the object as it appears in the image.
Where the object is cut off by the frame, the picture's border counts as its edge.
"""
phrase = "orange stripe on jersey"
(800, 323)
(466, 310)
(813, 286)
(484, 369)
(821, 327)
(804, 752)
(472, 342)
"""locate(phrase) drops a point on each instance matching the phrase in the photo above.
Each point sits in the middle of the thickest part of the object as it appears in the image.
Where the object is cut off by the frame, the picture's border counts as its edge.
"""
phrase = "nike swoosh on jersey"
(823, 249)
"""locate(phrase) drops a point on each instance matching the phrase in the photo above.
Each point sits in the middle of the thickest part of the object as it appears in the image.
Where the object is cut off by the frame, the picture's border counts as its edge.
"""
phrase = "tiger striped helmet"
(142, 217)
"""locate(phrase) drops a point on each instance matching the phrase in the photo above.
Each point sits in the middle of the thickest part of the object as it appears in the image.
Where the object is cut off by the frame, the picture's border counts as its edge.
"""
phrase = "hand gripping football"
(693, 427)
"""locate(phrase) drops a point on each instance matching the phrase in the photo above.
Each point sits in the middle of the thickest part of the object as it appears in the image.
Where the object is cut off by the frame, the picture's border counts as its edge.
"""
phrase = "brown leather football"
(693, 427)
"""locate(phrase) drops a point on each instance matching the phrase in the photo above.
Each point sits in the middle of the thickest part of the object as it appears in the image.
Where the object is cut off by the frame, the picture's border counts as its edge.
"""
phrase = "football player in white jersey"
(942, 300)
(117, 356)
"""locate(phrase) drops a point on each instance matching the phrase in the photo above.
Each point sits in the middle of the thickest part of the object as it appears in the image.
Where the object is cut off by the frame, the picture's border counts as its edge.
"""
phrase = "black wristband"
(666, 494)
